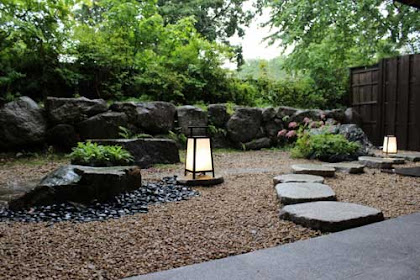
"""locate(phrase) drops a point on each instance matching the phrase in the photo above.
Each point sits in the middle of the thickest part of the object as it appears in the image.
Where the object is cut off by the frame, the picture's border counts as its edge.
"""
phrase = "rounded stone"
(347, 167)
(331, 215)
(314, 169)
(297, 178)
(203, 181)
(292, 193)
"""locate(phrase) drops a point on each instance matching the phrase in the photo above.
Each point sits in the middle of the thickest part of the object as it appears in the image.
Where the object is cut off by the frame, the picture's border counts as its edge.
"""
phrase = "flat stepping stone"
(314, 169)
(410, 171)
(331, 215)
(347, 167)
(297, 178)
(376, 162)
(414, 157)
(292, 193)
(395, 160)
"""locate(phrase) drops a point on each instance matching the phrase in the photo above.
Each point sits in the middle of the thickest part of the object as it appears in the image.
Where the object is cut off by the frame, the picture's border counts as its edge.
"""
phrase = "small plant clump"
(93, 154)
(326, 147)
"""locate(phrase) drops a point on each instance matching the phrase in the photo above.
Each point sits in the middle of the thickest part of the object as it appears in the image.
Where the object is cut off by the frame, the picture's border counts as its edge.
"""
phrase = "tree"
(329, 36)
(215, 19)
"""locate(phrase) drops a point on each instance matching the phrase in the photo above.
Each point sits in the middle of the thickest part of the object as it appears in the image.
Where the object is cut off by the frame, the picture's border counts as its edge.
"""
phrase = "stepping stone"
(411, 171)
(297, 178)
(376, 162)
(414, 157)
(314, 169)
(331, 215)
(292, 193)
(347, 167)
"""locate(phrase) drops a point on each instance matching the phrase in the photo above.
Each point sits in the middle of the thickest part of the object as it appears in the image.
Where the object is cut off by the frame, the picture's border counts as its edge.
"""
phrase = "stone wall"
(62, 122)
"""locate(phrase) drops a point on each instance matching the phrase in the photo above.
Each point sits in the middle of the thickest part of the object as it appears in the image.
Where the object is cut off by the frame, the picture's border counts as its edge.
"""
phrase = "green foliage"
(99, 155)
(127, 134)
(323, 146)
(329, 36)
(180, 138)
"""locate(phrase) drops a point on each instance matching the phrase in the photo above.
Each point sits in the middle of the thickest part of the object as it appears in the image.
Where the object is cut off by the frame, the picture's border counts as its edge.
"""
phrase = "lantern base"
(200, 180)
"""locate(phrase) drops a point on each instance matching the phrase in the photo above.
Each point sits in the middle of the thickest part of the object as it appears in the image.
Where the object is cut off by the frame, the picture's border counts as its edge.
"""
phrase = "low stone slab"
(414, 157)
(314, 169)
(292, 193)
(376, 162)
(331, 215)
(147, 151)
(347, 167)
(82, 184)
(297, 178)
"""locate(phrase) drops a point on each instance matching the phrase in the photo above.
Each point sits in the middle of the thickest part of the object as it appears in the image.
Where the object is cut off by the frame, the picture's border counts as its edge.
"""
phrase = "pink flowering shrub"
(291, 134)
(282, 133)
(293, 125)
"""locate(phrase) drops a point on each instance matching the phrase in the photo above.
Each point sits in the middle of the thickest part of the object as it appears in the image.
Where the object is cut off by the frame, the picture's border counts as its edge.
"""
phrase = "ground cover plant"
(99, 155)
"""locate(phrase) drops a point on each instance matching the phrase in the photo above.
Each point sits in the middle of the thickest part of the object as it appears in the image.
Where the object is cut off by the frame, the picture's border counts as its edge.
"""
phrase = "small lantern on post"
(390, 145)
(199, 159)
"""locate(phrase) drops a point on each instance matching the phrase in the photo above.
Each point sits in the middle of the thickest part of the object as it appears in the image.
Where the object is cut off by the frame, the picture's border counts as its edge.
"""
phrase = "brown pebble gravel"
(238, 216)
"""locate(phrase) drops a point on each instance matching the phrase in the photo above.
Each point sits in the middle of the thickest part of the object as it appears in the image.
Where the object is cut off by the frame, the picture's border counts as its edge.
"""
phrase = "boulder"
(73, 110)
(300, 115)
(351, 116)
(22, 124)
(218, 115)
(129, 108)
(102, 126)
(155, 117)
(335, 114)
(258, 144)
(354, 133)
(220, 140)
(244, 124)
(190, 116)
(81, 184)
(147, 151)
(331, 216)
(292, 193)
(284, 111)
(63, 137)
(268, 114)
(272, 127)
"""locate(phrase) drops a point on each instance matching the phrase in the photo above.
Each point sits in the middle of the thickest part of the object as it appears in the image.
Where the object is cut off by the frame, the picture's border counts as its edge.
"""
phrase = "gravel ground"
(238, 216)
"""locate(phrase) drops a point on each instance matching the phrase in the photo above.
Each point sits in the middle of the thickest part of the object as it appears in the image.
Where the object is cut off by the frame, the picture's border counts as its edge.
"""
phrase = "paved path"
(384, 251)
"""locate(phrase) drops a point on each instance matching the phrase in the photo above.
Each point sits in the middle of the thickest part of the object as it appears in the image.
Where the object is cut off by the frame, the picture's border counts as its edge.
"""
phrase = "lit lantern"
(199, 159)
(390, 145)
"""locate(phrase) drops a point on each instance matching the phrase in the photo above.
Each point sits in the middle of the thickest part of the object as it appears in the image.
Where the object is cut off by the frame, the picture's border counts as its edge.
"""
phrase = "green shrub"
(323, 146)
(99, 155)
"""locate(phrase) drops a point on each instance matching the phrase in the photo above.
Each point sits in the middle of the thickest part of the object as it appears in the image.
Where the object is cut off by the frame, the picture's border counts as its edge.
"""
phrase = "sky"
(253, 44)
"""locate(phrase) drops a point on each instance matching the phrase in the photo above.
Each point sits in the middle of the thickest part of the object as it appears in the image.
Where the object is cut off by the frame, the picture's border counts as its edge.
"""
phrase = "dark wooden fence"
(387, 96)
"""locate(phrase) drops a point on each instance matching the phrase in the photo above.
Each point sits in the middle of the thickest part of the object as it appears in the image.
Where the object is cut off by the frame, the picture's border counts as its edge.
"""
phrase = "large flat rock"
(376, 162)
(82, 184)
(330, 215)
(347, 167)
(292, 193)
(297, 178)
(314, 169)
(414, 157)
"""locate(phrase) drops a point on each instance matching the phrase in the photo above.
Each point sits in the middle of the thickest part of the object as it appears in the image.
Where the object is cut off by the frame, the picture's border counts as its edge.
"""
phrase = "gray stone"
(314, 169)
(297, 178)
(395, 160)
(272, 127)
(284, 111)
(347, 167)
(414, 157)
(331, 216)
(353, 133)
(376, 162)
(300, 115)
(258, 144)
(22, 124)
(244, 125)
(63, 137)
(73, 110)
(220, 140)
(147, 151)
(218, 115)
(155, 117)
(102, 126)
(335, 114)
(292, 193)
(82, 184)
(190, 116)
(352, 117)
(268, 114)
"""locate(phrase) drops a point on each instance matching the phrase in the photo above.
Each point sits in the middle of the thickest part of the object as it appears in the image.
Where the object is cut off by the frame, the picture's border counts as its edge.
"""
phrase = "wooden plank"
(391, 77)
(403, 101)
(415, 90)
(380, 106)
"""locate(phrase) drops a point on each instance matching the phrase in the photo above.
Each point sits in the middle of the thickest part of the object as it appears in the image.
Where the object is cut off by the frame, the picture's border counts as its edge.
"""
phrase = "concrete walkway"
(384, 250)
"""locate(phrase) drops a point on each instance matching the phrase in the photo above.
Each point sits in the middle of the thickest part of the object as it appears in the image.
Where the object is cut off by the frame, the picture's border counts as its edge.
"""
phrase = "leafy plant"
(323, 146)
(124, 132)
(99, 155)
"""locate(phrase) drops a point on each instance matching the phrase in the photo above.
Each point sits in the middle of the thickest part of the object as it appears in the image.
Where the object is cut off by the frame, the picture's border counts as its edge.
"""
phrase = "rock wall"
(62, 122)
